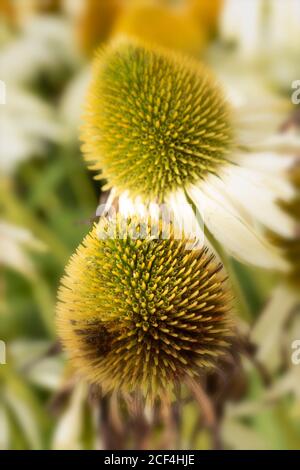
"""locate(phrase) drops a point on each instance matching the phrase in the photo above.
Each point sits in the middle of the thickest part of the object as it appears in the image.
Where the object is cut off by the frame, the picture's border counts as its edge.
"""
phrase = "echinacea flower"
(143, 313)
(160, 129)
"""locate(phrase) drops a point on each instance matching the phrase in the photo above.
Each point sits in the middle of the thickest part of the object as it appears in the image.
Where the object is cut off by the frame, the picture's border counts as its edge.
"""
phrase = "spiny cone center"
(155, 121)
(142, 313)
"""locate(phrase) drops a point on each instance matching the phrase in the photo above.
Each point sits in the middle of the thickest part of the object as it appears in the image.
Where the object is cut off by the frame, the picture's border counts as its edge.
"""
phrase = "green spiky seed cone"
(154, 120)
(142, 314)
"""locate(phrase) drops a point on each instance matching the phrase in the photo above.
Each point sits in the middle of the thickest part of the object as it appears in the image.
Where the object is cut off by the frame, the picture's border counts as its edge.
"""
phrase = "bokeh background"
(48, 200)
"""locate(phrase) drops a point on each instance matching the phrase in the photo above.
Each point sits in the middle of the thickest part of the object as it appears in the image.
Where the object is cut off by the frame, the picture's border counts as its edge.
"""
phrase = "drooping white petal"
(135, 206)
(276, 313)
(286, 144)
(106, 208)
(259, 194)
(189, 224)
(128, 206)
(232, 230)
(68, 432)
(260, 119)
(267, 162)
(257, 113)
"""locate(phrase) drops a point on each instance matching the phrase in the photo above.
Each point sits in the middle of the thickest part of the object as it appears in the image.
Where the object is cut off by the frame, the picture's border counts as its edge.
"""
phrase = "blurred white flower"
(45, 44)
(266, 32)
(27, 125)
(43, 369)
(14, 243)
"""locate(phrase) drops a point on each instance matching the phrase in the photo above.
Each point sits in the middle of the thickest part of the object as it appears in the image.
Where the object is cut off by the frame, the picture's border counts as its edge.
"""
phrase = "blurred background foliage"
(48, 201)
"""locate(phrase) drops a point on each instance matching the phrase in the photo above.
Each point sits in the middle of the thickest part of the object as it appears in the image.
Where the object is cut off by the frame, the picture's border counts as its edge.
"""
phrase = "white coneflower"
(160, 129)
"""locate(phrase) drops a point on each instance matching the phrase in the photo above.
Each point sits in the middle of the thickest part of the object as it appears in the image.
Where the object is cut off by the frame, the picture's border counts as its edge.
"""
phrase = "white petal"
(69, 429)
(188, 224)
(129, 207)
(259, 115)
(276, 313)
(259, 194)
(287, 143)
(126, 205)
(107, 207)
(47, 374)
(256, 124)
(268, 162)
(232, 231)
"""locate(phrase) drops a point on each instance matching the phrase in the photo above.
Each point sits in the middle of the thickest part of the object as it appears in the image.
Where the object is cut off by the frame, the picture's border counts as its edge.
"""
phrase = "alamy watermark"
(158, 221)
(2, 352)
(295, 357)
(296, 94)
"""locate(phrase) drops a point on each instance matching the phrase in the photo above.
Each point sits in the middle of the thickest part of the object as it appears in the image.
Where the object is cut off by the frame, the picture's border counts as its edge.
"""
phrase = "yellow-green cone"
(154, 120)
(142, 314)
